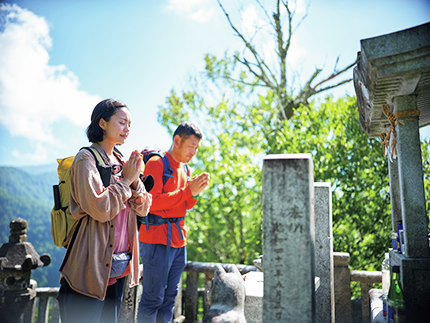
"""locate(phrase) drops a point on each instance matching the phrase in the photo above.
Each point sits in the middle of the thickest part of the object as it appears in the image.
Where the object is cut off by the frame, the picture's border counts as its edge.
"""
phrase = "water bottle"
(395, 300)
(400, 248)
(394, 241)
(385, 282)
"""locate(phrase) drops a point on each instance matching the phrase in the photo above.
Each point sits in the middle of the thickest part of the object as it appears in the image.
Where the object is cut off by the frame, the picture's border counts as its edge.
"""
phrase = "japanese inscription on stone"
(287, 215)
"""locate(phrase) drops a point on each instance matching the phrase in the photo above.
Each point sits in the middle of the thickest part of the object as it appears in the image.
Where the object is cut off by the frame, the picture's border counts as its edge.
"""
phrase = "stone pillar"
(129, 305)
(342, 287)
(177, 310)
(206, 301)
(415, 262)
(412, 195)
(324, 297)
(191, 296)
(289, 238)
(396, 206)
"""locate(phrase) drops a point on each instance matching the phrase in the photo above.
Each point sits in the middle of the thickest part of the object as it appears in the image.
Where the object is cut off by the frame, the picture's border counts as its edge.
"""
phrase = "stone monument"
(289, 238)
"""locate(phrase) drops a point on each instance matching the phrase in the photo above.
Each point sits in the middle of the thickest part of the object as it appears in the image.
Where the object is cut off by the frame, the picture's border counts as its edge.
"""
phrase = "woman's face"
(116, 130)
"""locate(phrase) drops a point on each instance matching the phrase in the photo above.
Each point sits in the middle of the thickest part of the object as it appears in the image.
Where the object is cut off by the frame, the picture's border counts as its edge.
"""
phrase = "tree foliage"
(354, 165)
(244, 116)
(226, 223)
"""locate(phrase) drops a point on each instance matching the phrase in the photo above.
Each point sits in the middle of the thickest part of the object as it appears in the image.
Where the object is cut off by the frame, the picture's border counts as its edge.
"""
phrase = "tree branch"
(266, 13)
(303, 18)
(286, 104)
(243, 82)
(282, 53)
(332, 86)
(262, 77)
(308, 83)
(260, 62)
(290, 32)
(334, 75)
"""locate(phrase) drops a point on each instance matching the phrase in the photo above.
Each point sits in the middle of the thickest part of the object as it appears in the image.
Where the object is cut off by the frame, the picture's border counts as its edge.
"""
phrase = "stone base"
(376, 315)
(415, 282)
(254, 287)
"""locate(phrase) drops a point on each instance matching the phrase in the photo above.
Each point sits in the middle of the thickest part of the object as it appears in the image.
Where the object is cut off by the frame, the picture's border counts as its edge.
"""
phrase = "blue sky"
(58, 59)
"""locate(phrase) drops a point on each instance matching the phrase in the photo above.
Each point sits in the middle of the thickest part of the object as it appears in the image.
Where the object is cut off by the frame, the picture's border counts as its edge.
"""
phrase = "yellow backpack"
(63, 224)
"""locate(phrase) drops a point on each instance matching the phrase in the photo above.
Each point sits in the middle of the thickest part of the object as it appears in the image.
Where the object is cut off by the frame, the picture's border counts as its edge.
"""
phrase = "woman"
(89, 290)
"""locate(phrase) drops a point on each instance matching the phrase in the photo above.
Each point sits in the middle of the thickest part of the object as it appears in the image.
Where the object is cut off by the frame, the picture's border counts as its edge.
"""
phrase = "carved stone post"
(289, 238)
(324, 297)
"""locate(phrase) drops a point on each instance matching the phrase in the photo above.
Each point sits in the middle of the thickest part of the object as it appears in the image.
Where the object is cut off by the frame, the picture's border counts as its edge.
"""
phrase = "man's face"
(188, 148)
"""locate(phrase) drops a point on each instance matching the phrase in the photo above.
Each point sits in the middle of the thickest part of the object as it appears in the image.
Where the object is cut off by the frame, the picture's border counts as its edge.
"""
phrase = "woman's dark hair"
(187, 129)
(103, 110)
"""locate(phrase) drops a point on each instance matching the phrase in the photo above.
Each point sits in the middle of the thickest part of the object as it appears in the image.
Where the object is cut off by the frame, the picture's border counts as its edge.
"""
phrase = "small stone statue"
(228, 297)
(259, 263)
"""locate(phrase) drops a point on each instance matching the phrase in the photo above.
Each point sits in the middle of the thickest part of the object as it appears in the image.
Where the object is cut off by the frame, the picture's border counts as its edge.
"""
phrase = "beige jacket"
(88, 264)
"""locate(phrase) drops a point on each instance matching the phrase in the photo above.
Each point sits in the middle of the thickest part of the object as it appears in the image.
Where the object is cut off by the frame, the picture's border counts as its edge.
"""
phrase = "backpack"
(167, 170)
(63, 224)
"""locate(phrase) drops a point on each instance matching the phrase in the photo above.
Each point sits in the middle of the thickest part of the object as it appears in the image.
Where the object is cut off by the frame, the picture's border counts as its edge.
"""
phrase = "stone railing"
(187, 302)
(46, 297)
(343, 277)
(44, 301)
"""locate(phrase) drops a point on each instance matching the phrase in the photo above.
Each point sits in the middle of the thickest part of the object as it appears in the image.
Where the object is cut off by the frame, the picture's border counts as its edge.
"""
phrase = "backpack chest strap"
(152, 219)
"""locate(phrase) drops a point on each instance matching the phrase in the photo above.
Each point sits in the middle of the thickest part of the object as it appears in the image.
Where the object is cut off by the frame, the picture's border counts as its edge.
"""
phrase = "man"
(162, 236)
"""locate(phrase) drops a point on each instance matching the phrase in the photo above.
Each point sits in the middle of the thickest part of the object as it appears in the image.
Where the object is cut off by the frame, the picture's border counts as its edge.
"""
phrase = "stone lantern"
(17, 259)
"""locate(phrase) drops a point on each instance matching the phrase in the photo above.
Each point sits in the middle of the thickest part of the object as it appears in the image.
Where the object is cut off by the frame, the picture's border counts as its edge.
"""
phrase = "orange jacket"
(169, 201)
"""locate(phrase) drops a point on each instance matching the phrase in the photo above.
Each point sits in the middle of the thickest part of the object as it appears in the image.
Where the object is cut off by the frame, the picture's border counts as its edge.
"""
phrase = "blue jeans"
(157, 303)
(78, 308)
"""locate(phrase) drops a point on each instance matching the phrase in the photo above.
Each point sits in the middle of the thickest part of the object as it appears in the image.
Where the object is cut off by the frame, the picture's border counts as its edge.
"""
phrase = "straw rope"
(385, 138)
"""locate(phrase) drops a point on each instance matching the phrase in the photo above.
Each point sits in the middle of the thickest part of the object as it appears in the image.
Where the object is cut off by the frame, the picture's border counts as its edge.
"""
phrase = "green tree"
(354, 165)
(425, 146)
(226, 223)
(247, 111)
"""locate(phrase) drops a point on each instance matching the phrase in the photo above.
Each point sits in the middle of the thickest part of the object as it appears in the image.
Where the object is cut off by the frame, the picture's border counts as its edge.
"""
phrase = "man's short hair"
(187, 129)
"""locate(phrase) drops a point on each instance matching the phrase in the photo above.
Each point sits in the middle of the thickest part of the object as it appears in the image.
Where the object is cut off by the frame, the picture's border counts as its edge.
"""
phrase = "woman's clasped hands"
(132, 169)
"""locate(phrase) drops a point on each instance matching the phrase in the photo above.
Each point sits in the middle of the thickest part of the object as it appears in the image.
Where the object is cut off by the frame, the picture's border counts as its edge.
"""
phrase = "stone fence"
(343, 276)
(187, 305)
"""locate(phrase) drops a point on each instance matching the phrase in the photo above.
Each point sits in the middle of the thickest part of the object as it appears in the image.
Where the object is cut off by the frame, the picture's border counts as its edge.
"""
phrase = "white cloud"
(38, 156)
(251, 21)
(34, 94)
(201, 11)
(299, 7)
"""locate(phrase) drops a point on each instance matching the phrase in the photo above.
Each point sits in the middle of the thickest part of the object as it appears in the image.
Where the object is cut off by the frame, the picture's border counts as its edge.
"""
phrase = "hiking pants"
(78, 308)
(157, 303)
